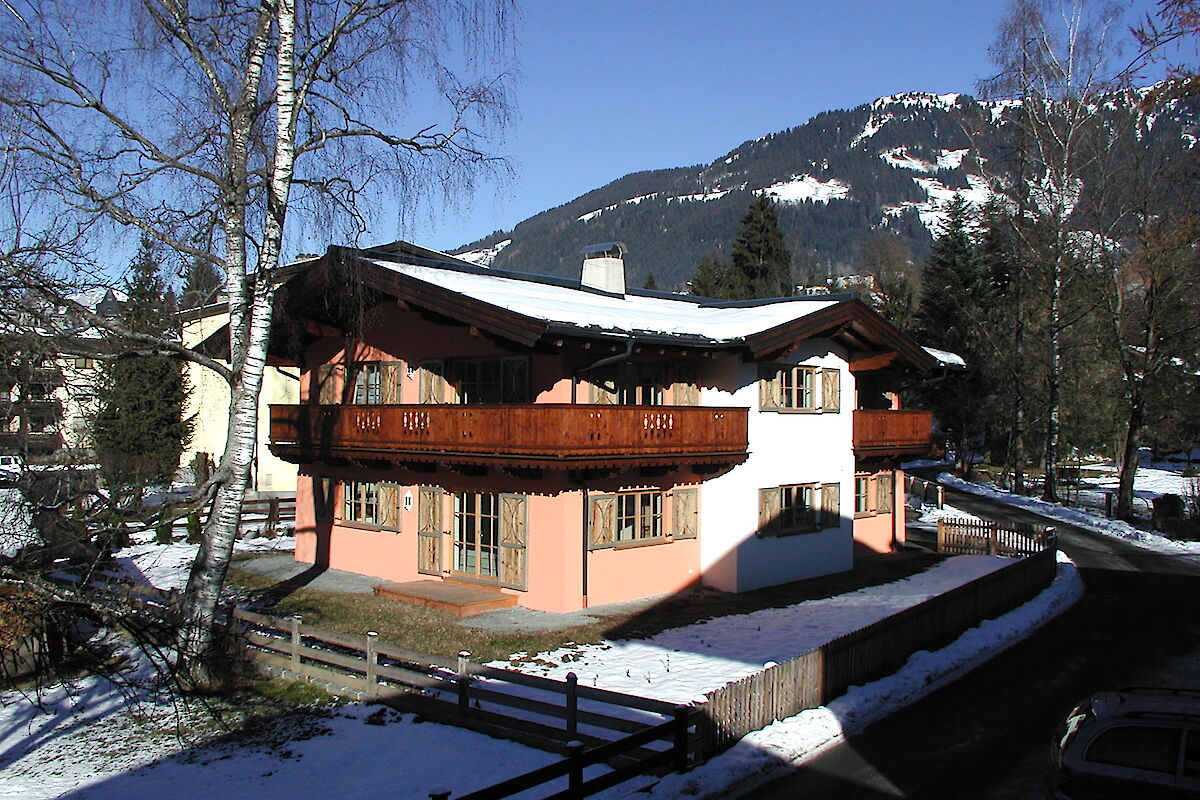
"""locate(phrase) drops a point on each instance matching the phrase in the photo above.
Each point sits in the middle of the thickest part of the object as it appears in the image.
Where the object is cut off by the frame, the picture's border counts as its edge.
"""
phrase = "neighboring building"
(574, 446)
(208, 404)
(47, 398)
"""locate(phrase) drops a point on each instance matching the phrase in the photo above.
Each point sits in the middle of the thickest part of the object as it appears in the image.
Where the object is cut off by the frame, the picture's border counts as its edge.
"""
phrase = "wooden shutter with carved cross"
(831, 390)
(884, 492)
(602, 521)
(433, 381)
(687, 388)
(685, 516)
(389, 506)
(831, 505)
(330, 378)
(514, 539)
(768, 511)
(768, 387)
(604, 386)
(390, 374)
(429, 530)
(323, 498)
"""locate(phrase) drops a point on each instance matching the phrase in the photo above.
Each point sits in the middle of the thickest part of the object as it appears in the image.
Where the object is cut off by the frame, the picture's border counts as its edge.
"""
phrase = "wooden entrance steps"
(462, 600)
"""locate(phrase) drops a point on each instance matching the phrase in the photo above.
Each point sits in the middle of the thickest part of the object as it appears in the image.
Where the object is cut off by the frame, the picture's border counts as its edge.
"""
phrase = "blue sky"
(608, 88)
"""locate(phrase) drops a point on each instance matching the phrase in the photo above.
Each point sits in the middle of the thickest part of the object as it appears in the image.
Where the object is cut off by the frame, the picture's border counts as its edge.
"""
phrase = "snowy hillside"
(887, 166)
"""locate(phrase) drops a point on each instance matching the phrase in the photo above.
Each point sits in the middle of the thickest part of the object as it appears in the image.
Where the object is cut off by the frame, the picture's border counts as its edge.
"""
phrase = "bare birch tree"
(175, 118)
(1052, 56)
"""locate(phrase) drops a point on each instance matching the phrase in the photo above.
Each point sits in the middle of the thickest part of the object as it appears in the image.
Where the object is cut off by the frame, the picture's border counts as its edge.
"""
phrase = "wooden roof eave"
(849, 317)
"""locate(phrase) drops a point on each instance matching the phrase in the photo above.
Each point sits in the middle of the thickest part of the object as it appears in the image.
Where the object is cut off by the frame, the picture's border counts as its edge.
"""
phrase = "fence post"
(704, 725)
(372, 657)
(941, 496)
(992, 534)
(464, 681)
(941, 535)
(272, 517)
(572, 702)
(296, 620)
(680, 745)
(575, 776)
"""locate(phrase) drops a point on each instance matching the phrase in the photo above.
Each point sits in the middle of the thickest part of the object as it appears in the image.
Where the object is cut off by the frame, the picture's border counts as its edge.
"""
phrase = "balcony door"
(490, 535)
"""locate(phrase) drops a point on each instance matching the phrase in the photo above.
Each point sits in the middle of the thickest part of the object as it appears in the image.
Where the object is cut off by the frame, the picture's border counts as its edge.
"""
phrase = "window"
(639, 516)
(873, 494)
(799, 388)
(796, 388)
(477, 534)
(361, 502)
(1136, 746)
(862, 495)
(798, 508)
(629, 385)
(85, 363)
(642, 516)
(475, 380)
(368, 384)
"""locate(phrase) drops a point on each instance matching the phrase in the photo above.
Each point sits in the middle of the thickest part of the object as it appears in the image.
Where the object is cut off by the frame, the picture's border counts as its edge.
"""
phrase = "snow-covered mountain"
(843, 176)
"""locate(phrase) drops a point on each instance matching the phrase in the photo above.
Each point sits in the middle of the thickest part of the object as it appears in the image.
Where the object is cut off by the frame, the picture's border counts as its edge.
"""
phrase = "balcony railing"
(893, 433)
(540, 436)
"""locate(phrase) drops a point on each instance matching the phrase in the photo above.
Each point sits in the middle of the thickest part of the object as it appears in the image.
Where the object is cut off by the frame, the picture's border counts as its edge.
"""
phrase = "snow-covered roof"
(629, 314)
(946, 359)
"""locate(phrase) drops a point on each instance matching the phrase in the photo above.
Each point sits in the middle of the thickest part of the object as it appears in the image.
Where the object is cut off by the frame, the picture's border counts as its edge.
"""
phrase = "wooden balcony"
(534, 436)
(890, 434)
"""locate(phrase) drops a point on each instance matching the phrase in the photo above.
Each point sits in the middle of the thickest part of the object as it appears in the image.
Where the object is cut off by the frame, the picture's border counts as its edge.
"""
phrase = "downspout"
(604, 362)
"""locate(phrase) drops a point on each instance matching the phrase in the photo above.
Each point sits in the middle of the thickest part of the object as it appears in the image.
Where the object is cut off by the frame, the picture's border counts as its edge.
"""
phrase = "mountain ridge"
(841, 177)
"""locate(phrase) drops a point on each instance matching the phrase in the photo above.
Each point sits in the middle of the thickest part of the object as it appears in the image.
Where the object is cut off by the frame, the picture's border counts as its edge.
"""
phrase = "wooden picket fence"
(965, 536)
(590, 725)
(816, 677)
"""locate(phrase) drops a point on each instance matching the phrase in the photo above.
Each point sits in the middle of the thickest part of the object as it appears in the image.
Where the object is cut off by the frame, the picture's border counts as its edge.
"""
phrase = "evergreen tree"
(200, 285)
(139, 431)
(651, 282)
(759, 254)
(889, 262)
(715, 278)
(954, 307)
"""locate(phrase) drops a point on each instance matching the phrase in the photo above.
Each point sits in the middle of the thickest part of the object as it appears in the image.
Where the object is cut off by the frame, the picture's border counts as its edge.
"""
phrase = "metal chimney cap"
(604, 250)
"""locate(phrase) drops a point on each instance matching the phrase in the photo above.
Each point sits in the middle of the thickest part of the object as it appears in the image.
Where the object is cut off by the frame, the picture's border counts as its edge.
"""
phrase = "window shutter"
(768, 387)
(389, 506)
(831, 505)
(604, 387)
(429, 530)
(687, 389)
(514, 537)
(433, 381)
(330, 378)
(602, 521)
(884, 492)
(768, 511)
(323, 498)
(686, 517)
(831, 390)
(515, 380)
(390, 382)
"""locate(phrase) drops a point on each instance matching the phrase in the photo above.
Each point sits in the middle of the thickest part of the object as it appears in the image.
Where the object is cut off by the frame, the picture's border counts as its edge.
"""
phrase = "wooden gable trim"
(850, 317)
(873, 361)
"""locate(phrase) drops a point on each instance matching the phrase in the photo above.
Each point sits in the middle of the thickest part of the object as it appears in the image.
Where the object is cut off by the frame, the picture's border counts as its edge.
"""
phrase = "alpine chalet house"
(559, 444)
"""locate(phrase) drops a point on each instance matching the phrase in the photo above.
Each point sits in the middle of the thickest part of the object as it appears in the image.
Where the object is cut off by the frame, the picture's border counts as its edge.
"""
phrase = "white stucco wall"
(208, 404)
(785, 448)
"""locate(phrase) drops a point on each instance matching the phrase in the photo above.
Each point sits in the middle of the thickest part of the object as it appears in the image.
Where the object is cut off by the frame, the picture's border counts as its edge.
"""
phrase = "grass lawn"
(439, 633)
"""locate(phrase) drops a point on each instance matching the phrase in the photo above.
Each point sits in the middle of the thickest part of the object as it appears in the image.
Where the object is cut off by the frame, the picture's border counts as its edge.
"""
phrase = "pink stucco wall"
(881, 533)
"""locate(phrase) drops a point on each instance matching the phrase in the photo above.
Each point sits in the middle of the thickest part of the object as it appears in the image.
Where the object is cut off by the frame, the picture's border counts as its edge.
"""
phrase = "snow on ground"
(16, 527)
(802, 188)
(51, 752)
(767, 754)
(93, 743)
(166, 566)
(678, 664)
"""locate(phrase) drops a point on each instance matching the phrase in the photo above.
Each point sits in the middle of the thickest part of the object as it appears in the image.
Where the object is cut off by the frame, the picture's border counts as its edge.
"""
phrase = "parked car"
(11, 468)
(1131, 743)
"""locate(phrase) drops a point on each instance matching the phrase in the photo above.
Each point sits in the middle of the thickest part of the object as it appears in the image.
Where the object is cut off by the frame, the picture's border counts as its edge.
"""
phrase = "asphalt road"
(987, 734)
